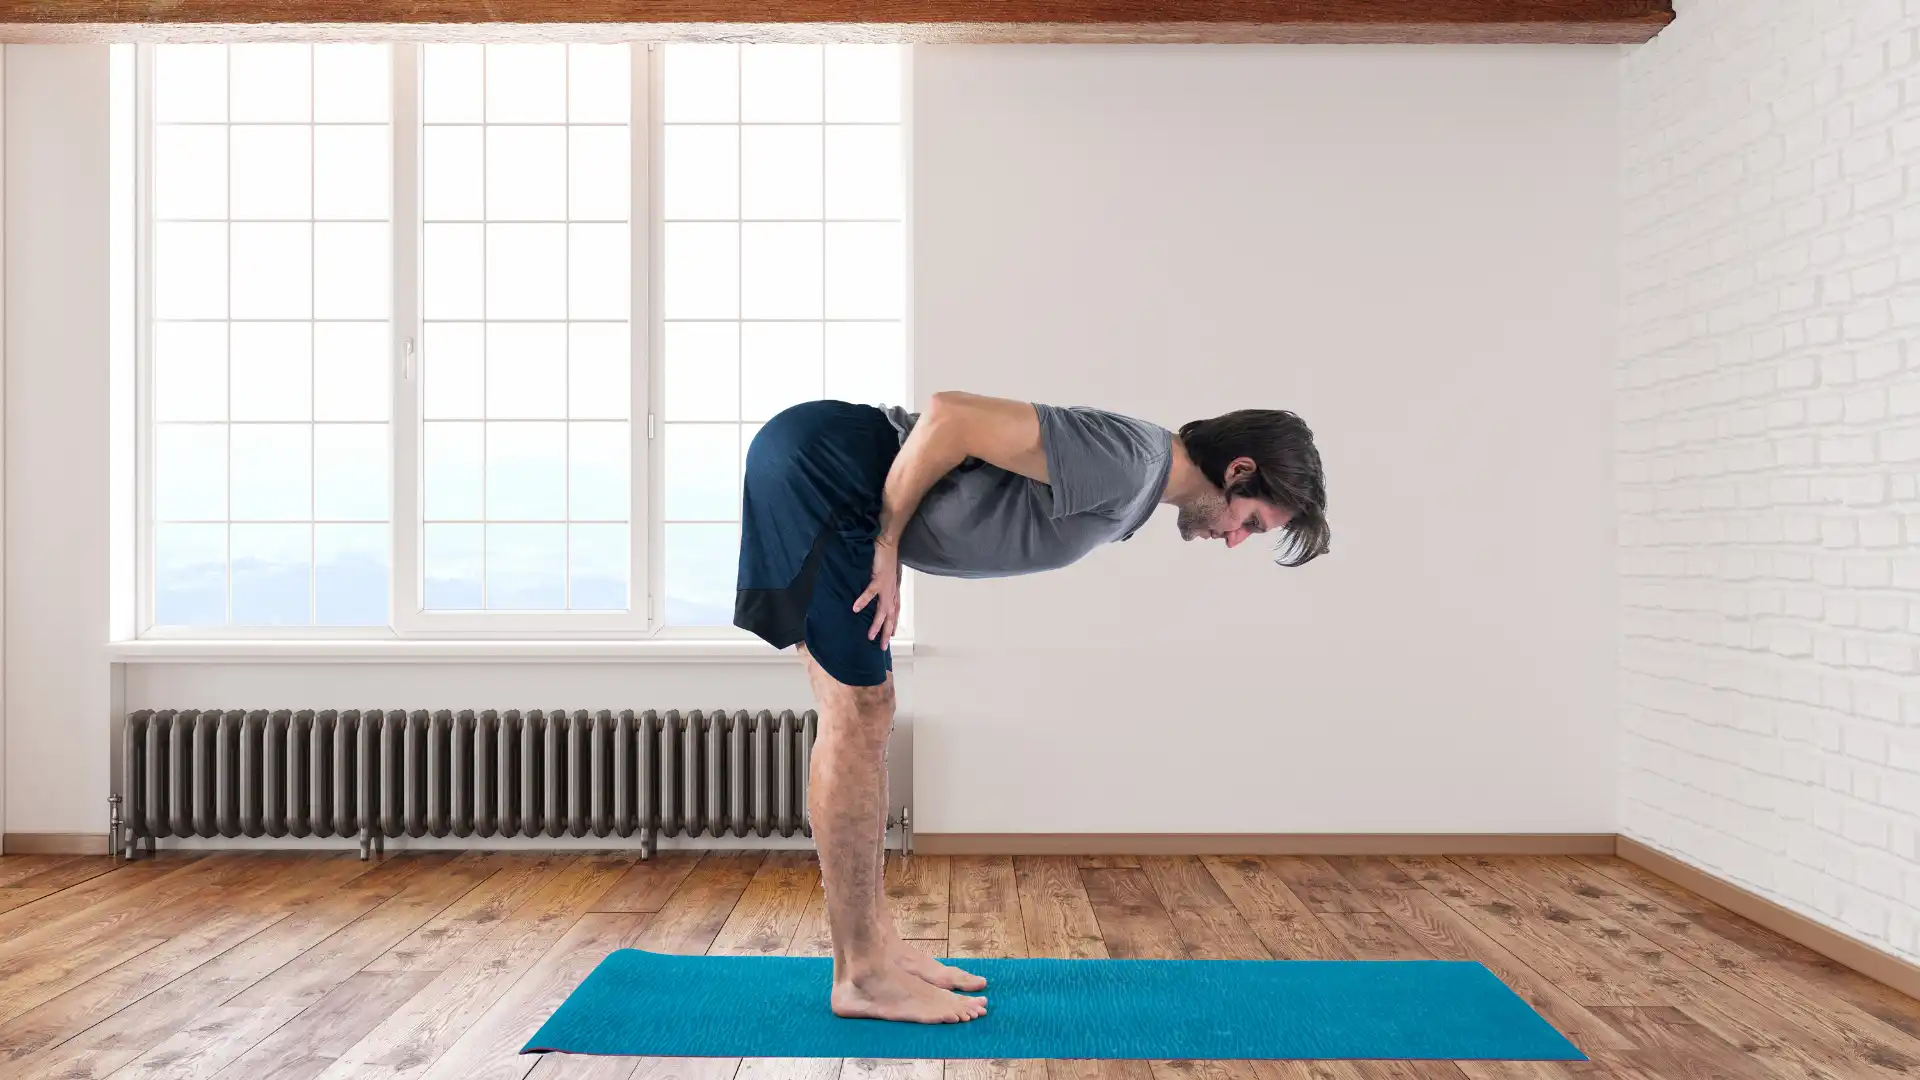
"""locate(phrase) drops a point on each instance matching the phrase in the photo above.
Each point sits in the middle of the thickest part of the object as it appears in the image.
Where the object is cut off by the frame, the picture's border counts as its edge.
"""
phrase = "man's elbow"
(946, 403)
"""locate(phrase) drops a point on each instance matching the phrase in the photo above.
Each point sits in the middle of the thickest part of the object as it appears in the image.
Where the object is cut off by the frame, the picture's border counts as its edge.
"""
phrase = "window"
(783, 272)
(611, 264)
(527, 342)
(270, 336)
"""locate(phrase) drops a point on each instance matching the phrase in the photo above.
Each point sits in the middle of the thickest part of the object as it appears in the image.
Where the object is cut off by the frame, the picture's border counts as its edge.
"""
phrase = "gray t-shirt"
(1108, 472)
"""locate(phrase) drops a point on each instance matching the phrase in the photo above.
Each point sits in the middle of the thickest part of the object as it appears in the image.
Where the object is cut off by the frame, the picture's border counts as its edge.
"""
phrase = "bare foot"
(932, 969)
(892, 994)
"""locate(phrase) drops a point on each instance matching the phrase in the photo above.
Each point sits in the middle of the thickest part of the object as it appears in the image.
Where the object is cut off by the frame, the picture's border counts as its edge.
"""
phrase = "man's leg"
(921, 964)
(849, 820)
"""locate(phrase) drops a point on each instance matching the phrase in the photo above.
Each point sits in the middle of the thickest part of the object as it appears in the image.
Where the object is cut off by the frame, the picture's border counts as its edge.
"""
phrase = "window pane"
(272, 371)
(454, 365)
(702, 167)
(863, 172)
(452, 84)
(350, 472)
(526, 371)
(526, 84)
(272, 271)
(526, 471)
(703, 564)
(599, 271)
(235, 347)
(190, 472)
(600, 91)
(780, 172)
(454, 468)
(190, 371)
(272, 472)
(597, 564)
(780, 84)
(526, 173)
(190, 568)
(190, 85)
(818, 183)
(351, 83)
(703, 371)
(190, 172)
(453, 174)
(780, 365)
(526, 271)
(598, 166)
(702, 472)
(598, 385)
(272, 172)
(597, 463)
(866, 271)
(453, 567)
(527, 567)
(866, 363)
(272, 575)
(455, 265)
(703, 271)
(863, 84)
(352, 176)
(189, 270)
(350, 269)
(351, 378)
(190, 575)
(350, 575)
(703, 84)
(271, 82)
(780, 271)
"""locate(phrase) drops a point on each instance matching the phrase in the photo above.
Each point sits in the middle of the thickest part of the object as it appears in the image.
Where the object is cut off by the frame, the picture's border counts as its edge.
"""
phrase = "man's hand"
(883, 593)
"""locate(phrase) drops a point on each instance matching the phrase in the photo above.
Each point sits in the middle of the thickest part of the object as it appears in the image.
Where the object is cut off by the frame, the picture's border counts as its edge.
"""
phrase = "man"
(838, 497)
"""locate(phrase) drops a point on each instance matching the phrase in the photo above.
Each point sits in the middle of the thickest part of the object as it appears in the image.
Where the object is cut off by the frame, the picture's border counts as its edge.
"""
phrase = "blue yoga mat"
(653, 1005)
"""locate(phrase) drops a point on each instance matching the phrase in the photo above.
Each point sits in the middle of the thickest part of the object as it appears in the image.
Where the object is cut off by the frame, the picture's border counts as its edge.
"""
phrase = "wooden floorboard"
(282, 966)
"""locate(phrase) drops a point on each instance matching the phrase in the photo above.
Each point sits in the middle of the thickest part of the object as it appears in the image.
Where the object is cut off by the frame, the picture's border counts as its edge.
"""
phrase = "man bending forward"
(839, 497)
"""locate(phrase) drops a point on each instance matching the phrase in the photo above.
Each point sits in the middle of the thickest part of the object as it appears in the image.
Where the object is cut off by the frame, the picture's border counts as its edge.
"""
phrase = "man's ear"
(1238, 471)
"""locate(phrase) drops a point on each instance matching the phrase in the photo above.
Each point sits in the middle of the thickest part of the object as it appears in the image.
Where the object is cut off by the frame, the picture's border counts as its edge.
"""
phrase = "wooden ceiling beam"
(930, 21)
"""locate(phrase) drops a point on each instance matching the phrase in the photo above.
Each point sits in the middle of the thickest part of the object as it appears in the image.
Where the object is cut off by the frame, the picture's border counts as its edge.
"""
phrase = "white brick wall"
(1769, 453)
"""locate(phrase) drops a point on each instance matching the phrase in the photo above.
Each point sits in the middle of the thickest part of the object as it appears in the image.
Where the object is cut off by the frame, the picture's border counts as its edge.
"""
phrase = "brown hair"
(1286, 472)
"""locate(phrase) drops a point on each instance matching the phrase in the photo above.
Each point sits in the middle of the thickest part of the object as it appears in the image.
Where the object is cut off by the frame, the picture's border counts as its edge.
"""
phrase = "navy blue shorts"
(810, 509)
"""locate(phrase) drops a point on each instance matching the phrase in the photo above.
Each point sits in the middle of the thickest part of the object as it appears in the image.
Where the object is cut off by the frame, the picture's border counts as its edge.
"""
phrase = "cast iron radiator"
(380, 773)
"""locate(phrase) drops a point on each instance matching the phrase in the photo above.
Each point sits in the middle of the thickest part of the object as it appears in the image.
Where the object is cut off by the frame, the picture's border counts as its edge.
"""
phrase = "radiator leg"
(366, 843)
(647, 844)
(113, 828)
(906, 831)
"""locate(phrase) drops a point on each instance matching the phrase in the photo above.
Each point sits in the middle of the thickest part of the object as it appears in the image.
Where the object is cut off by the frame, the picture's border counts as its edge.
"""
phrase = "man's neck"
(1184, 478)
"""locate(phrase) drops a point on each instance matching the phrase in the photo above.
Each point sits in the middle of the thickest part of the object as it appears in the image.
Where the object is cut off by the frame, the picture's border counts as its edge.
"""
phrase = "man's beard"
(1197, 517)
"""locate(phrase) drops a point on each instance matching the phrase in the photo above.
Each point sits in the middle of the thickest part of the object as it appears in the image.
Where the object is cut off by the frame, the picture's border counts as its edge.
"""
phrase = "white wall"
(1414, 248)
(56, 687)
(1770, 455)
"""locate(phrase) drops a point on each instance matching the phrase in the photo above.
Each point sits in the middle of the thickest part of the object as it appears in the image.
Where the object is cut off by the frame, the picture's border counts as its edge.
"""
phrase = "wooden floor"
(262, 966)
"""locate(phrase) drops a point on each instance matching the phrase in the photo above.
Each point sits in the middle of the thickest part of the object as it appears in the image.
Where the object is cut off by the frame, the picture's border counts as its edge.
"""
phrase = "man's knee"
(862, 715)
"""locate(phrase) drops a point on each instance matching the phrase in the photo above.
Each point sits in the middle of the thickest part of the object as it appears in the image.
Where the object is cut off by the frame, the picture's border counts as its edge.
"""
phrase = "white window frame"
(407, 619)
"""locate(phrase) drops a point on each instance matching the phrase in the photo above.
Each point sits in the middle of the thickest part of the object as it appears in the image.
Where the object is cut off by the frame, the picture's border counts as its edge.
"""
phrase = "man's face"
(1214, 516)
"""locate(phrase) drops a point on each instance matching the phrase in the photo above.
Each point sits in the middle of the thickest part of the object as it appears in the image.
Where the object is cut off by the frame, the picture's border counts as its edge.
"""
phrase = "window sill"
(681, 651)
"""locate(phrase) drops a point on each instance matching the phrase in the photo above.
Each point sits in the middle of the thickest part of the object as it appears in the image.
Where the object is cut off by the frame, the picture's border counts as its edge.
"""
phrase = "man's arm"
(957, 426)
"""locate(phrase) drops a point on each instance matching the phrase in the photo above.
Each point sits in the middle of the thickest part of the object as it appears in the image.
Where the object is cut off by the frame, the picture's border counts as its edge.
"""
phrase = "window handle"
(406, 360)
